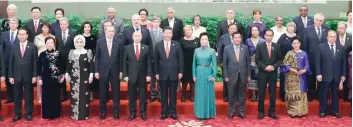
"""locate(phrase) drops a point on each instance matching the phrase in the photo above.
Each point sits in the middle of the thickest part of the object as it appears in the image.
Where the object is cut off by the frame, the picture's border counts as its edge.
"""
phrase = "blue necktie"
(332, 51)
(12, 37)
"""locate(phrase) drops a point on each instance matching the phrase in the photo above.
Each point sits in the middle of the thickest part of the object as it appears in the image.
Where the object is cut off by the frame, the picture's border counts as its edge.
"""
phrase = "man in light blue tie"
(9, 38)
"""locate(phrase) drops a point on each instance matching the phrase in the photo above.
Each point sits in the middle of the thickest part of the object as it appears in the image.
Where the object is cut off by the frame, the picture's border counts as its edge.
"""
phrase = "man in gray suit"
(156, 33)
(236, 67)
(118, 23)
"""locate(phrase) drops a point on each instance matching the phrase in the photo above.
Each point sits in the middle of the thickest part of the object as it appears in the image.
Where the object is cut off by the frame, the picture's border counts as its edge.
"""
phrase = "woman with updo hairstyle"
(204, 70)
(50, 71)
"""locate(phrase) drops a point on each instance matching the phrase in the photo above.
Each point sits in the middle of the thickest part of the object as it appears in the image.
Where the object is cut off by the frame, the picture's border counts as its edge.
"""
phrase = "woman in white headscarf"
(79, 72)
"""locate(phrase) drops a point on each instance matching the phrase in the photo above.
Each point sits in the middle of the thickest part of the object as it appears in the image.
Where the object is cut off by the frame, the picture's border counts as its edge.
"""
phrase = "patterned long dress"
(203, 68)
(50, 69)
(296, 87)
(79, 67)
(253, 84)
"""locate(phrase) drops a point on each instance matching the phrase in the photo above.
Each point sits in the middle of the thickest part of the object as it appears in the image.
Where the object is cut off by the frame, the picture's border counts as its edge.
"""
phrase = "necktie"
(305, 22)
(269, 50)
(155, 32)
(12, 38)
(64, 37)
(319, 33)
(109, 47)
(22, 49)
(342, 40)
(237, 53)
(137, 29)
(137, 53)
(35, 26)
(332, 50)
(167, 49)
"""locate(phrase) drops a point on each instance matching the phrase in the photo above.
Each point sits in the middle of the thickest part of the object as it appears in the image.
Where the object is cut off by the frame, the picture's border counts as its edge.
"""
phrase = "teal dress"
(203, 68)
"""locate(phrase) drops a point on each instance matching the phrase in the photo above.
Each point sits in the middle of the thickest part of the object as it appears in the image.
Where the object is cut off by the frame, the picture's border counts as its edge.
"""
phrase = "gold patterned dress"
(80, 68)
(295, 86)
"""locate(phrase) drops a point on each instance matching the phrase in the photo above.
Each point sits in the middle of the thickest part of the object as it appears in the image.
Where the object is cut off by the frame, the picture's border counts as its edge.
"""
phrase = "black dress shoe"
(337, 115)
(1, 119)
(261, 116)
(182, 99)
(163, 117)
(241, 116)
(132, 117)
(153, 99)
(273, 116)
(174, 117)
(8, 101)
(16, 118)
(225, 99)
(103, 116)
(116, 116)
(29, 117)
(231, 115)
(143, 117)
(322, 115)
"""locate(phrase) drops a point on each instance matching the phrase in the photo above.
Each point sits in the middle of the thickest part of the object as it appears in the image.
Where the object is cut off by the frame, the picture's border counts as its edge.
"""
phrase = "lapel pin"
(142, 47)
(287, 38)
(91, 38)
(195, 42)
(173, 44)
(338, 50)
(323, 29)
(241, 48)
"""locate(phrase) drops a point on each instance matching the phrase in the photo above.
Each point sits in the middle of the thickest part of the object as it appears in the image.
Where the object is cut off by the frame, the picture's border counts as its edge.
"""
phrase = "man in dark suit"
(117, 23)
(345, 39)
(268, 58)
(64, 43)
(175, 23)
(225, 40)
(23, 73)
(105, 24)
(156, 34)
(127, 33)
(3, 72)
(169, 63)
(137, 71)
(236, 64)
(330, 71)
(33, 25)
(108, 69)
(303, 20)
(223, 26)
(314, 35)
(8, 39)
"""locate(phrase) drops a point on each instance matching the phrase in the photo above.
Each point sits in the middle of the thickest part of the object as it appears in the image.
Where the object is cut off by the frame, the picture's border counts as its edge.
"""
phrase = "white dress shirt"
(171, 22)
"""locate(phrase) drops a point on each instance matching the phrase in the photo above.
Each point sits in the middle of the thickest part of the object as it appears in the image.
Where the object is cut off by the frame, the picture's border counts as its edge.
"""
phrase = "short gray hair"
(11, 6)
(291, 24)
(317, 15)
(342, 23)
(63, 19)
(14, 19)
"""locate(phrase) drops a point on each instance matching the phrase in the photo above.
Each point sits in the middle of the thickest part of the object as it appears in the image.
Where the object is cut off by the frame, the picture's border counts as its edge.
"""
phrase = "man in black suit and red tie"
(137, 71)
(33, 25)
(175, 23)
(330, 72)
(169, 63)
(223, 26)
(108, 69)
(136, 27)
(23, 73)
(268, 58)
(314, 35)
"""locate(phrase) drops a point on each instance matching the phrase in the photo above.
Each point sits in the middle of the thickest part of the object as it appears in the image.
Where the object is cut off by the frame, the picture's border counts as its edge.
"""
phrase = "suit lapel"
(163, 51)
(329, 50)
(26, 50)
(241, 53)
(265, 46)
(233, 54)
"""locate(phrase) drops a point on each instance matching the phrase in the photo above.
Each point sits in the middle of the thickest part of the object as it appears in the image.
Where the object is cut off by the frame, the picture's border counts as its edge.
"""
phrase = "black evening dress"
(50, 71)
(79, 67)
(188, 47)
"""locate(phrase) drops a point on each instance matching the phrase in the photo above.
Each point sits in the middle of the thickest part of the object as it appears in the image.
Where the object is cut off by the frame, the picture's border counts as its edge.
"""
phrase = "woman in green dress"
(204, 73)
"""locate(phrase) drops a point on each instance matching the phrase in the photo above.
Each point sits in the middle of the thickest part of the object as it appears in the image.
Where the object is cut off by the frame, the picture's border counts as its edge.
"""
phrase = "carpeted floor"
(185, 121)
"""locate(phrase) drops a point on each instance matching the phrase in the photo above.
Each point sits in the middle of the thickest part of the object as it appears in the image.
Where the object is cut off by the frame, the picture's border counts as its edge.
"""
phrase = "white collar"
(329, 44)
(167, 41)
(14, 31)
(317, 28)
(109, 39)
(138, 45)
(171, 19)
(34, 20)
(66, 31)
(25, 43)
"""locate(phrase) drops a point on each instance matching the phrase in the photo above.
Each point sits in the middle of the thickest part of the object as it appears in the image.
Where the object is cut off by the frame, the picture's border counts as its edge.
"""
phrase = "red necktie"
(137, 53)
(35, 26)
(22, 49)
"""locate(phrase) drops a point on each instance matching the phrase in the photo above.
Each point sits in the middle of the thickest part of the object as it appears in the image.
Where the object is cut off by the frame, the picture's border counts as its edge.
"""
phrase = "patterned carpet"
(185, 121)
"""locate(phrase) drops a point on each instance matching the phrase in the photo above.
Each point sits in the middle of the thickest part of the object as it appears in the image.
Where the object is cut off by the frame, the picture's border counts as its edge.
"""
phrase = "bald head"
(170, 13)
(137, 37)
(111, 13)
